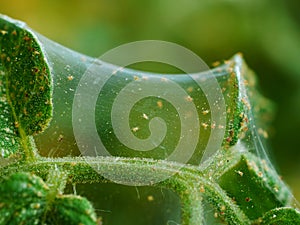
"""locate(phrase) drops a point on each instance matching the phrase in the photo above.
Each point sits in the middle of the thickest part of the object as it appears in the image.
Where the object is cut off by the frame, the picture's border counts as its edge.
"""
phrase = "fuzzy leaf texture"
(24, 200)
(253, 181)
(281, 216)
(25, 88)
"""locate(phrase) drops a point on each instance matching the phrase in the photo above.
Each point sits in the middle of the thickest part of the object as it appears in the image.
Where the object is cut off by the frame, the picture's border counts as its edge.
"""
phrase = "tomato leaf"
(24, 200)
(25, 87)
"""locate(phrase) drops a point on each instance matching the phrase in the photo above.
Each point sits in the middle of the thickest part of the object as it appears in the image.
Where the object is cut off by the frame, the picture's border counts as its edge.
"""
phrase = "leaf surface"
(24, 199)
(25, 87)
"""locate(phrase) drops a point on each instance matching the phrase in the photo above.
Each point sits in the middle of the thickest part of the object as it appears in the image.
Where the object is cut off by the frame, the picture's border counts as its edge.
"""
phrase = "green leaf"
(68, 68)
(25, 87)
(24, 200)
(243, 191)
(71, 209)
(254, 186)
(281, 216)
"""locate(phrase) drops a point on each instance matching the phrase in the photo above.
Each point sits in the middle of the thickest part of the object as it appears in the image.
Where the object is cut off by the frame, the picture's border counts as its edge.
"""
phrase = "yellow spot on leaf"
(205, 112)
(70, 77)
(150, 198)
(159, 104)
(3, 32)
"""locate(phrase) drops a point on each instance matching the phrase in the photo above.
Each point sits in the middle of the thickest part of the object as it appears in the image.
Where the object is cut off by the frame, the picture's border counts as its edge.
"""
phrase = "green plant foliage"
(253, 181)
(24, 200)
(280, 216)
(71, 209)
(25, 90)
(237, 182)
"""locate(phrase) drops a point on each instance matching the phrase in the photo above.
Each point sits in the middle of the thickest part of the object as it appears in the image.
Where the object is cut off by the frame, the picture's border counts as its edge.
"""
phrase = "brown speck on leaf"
(70, 77)
(159, 104)
(246, 103)
(39, 114)
(228, 139)
(204, 125)
(247, 199)
(223, 208)
(14, 32)
(136, 78)
(26, 38)
(205, 112)
(231, 133)
(244, 128)
(215, 64)
(231, 71)
(189, 99)
(35, 70)
(202, 190)
(60, 138)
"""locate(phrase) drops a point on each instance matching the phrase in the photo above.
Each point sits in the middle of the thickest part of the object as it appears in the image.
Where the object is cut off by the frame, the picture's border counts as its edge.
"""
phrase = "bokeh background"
(266, 32)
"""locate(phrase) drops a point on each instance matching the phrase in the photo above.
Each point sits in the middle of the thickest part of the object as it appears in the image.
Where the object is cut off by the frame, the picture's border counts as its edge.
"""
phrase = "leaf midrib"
(25, 144)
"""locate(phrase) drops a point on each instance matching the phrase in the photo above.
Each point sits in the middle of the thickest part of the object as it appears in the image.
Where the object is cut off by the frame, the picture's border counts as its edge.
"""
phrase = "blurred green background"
(266, 32)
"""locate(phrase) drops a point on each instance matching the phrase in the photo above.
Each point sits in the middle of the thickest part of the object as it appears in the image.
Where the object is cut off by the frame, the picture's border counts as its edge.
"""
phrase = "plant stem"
(188, 182)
